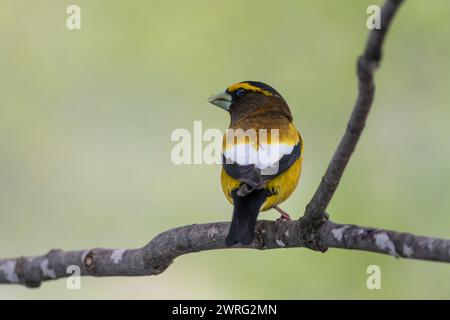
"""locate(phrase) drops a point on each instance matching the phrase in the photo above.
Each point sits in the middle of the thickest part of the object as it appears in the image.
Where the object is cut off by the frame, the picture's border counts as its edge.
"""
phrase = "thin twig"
(315, 212)
(367, 63)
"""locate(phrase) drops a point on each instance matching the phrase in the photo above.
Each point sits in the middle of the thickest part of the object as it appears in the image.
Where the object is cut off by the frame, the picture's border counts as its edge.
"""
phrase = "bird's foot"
(284, 215)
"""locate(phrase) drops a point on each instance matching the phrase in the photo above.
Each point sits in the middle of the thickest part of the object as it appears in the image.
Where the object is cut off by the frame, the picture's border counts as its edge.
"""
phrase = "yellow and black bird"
(262, 155)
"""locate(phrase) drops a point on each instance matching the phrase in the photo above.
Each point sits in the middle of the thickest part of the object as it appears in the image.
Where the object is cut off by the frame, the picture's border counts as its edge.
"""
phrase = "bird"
(262, 154)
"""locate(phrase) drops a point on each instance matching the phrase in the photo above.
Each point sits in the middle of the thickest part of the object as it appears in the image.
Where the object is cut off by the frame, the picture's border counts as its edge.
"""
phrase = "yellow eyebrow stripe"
(249, 87)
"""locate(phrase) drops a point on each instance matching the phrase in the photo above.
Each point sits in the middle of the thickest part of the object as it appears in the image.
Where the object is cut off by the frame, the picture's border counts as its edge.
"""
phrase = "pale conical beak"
(222, 100)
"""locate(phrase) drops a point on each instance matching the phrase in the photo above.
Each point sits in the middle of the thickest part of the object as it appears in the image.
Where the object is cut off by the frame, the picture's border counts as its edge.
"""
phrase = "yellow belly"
(281, 187)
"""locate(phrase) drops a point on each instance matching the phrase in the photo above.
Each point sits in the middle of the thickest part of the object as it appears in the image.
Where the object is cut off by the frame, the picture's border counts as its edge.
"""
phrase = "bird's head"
(250, 96)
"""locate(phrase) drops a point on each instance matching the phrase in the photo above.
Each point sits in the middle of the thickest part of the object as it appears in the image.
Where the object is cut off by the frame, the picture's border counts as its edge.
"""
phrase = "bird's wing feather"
(255, 172)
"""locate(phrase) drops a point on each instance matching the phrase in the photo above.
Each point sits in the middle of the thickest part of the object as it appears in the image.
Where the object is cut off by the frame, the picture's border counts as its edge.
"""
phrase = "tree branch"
(315, 213)
(313, 230)
(160, 252)
(367, 63)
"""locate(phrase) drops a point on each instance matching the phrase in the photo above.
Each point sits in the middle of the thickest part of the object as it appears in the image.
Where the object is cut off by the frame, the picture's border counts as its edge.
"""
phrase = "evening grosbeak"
(261, 156)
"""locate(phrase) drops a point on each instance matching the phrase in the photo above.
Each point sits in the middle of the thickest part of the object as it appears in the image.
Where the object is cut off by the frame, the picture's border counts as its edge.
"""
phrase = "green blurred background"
(86, 118)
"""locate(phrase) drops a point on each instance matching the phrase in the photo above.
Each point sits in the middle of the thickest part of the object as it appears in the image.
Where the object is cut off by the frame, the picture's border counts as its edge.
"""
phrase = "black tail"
(246, 210)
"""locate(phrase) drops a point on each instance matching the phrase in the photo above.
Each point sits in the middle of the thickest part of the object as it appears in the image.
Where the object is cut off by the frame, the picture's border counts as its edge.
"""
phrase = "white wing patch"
(266, 156)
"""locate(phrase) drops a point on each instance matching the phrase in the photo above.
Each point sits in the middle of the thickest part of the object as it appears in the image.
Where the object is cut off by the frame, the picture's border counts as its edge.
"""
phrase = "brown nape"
(261, 107)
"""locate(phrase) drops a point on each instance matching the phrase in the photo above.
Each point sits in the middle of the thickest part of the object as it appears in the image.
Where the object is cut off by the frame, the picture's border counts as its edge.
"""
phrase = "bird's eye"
(240, 92)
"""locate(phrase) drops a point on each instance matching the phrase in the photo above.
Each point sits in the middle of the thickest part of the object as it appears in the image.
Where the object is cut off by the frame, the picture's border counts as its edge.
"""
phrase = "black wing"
(252, 176)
